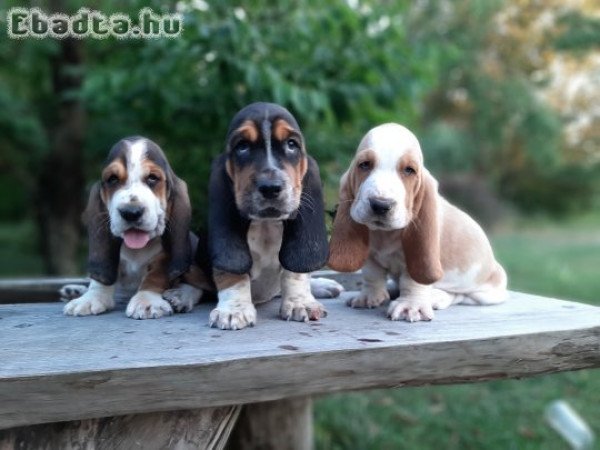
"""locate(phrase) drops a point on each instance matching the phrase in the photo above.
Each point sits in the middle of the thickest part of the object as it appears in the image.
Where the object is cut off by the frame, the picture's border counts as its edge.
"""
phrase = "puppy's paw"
(71, 291)
(302, 309)
(90, 303)
(148, 305)
(183, 297)
(233, 317)
(411, 310)
(369, 299)
(325, 288)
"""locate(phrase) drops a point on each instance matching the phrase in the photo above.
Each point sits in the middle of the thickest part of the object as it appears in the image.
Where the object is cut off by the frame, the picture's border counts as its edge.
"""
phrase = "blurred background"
(504, 96)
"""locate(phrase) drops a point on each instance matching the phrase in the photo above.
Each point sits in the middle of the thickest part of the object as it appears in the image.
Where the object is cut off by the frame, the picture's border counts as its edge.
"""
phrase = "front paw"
(148, 305)
(183, 298)
(325, 288)
(302, 309)
(90, 303)
(369, 299)
(235, 317)
(71, 291)
(411, 310)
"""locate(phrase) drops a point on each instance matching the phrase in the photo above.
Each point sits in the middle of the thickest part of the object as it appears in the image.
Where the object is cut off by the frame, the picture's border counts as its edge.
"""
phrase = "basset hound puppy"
(138, 218)
(266, 221)
(392, 221)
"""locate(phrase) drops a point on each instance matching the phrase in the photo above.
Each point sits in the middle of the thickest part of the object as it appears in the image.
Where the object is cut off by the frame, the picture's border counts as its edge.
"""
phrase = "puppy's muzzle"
(132, 213)
(381, 206)
(269, 189)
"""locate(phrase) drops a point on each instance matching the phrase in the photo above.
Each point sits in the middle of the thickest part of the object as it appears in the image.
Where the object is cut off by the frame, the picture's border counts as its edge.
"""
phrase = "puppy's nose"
(270, 189)
(381, 206)
(131, 213)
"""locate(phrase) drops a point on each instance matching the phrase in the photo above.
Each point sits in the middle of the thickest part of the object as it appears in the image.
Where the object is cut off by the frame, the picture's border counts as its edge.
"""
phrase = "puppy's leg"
(148, 303)
(97, 299)
(325, 288)
(374, 290)
(189, 291)
(297, 301)
(234, 310)
(416, 301)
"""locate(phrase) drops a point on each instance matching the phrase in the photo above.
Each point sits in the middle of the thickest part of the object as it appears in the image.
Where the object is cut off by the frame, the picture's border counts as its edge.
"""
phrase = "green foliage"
(580, 32)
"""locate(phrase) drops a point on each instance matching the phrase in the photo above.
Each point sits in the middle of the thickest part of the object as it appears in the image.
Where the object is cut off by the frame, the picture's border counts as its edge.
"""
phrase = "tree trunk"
(61, 181)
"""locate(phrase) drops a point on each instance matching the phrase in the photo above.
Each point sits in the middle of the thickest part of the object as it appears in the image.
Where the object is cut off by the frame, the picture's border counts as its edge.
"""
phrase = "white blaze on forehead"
(136, 153)
(390, 142)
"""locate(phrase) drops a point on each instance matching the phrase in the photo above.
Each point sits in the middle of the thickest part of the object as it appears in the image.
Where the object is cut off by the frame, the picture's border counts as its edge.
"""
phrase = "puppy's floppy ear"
(228, 230)
(103, 246)
(421, 237)
(176, 238)
(304, 244)
(349, 244)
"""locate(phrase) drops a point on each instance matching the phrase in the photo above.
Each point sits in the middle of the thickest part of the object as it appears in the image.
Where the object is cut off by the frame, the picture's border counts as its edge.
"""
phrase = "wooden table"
(176, 383)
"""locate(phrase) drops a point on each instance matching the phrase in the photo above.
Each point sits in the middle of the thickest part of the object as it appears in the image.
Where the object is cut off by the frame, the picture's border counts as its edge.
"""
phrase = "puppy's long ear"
(304, 244)
(103, 246)
(349, 244)
(421, 238)
(228, 230)
(176, 238)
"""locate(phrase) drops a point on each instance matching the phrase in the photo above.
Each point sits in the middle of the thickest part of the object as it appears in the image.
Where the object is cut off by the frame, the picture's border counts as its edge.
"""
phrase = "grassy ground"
(560, 260)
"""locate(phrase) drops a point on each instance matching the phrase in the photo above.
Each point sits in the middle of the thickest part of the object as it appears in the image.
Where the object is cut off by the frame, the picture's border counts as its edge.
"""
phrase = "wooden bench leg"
(191, 429)
(278, 425)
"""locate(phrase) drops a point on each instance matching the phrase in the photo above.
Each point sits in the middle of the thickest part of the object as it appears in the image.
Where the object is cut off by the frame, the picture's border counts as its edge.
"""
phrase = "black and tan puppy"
(266, 221)
(138, 219)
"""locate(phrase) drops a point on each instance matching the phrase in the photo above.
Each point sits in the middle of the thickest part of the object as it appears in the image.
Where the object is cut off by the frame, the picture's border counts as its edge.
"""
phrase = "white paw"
(88, 304)
(325, 288)
(369, 299)
(411, 310)
(302, 309)
(71, 291)
(233, 317)
(148, 305)
(183, 297)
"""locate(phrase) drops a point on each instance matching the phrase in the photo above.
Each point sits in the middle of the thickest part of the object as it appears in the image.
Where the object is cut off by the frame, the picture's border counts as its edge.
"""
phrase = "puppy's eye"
(409, 170)
(152, 180)
(292, 145)
(242, 148)
(365, 165)
(112, 180)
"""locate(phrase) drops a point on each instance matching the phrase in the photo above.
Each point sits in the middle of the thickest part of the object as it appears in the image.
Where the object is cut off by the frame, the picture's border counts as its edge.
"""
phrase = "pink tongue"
(136, 238)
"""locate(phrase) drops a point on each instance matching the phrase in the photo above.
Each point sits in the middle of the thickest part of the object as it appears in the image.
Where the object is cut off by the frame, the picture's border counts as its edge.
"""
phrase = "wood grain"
(208, 429)
(56, 368)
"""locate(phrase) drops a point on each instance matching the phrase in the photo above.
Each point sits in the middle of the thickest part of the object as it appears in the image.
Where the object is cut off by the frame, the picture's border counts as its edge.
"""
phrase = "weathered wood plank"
(56, 368)
(280, 425)
(208, 429)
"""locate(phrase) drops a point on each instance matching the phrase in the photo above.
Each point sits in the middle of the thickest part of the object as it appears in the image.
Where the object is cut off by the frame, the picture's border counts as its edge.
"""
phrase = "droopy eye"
(242, 148)
(292, 145)
(409, 170)
(365, 165)
(112, 180)
(152, 180)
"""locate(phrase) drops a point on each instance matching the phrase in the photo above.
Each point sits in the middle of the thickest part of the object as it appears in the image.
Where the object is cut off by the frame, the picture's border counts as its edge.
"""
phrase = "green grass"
(553, 259)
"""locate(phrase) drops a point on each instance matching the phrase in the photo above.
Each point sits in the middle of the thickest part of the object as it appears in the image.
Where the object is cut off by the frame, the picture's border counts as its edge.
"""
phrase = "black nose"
(270, 189)
(131, 213)
(381, 206)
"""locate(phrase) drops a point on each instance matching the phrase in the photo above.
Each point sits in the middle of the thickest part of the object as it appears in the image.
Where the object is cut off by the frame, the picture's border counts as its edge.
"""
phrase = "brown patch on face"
(364, 162)
(156, 179)
(113, 177)
(282, 130)
(296, 175)
(242, 180)
(248, 131)
(411, 179)
(156, 278)
(224, 280)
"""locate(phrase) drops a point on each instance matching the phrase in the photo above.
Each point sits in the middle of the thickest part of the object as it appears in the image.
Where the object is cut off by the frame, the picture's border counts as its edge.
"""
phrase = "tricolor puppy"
(266, 220)
(392, 221)
(138, 219)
